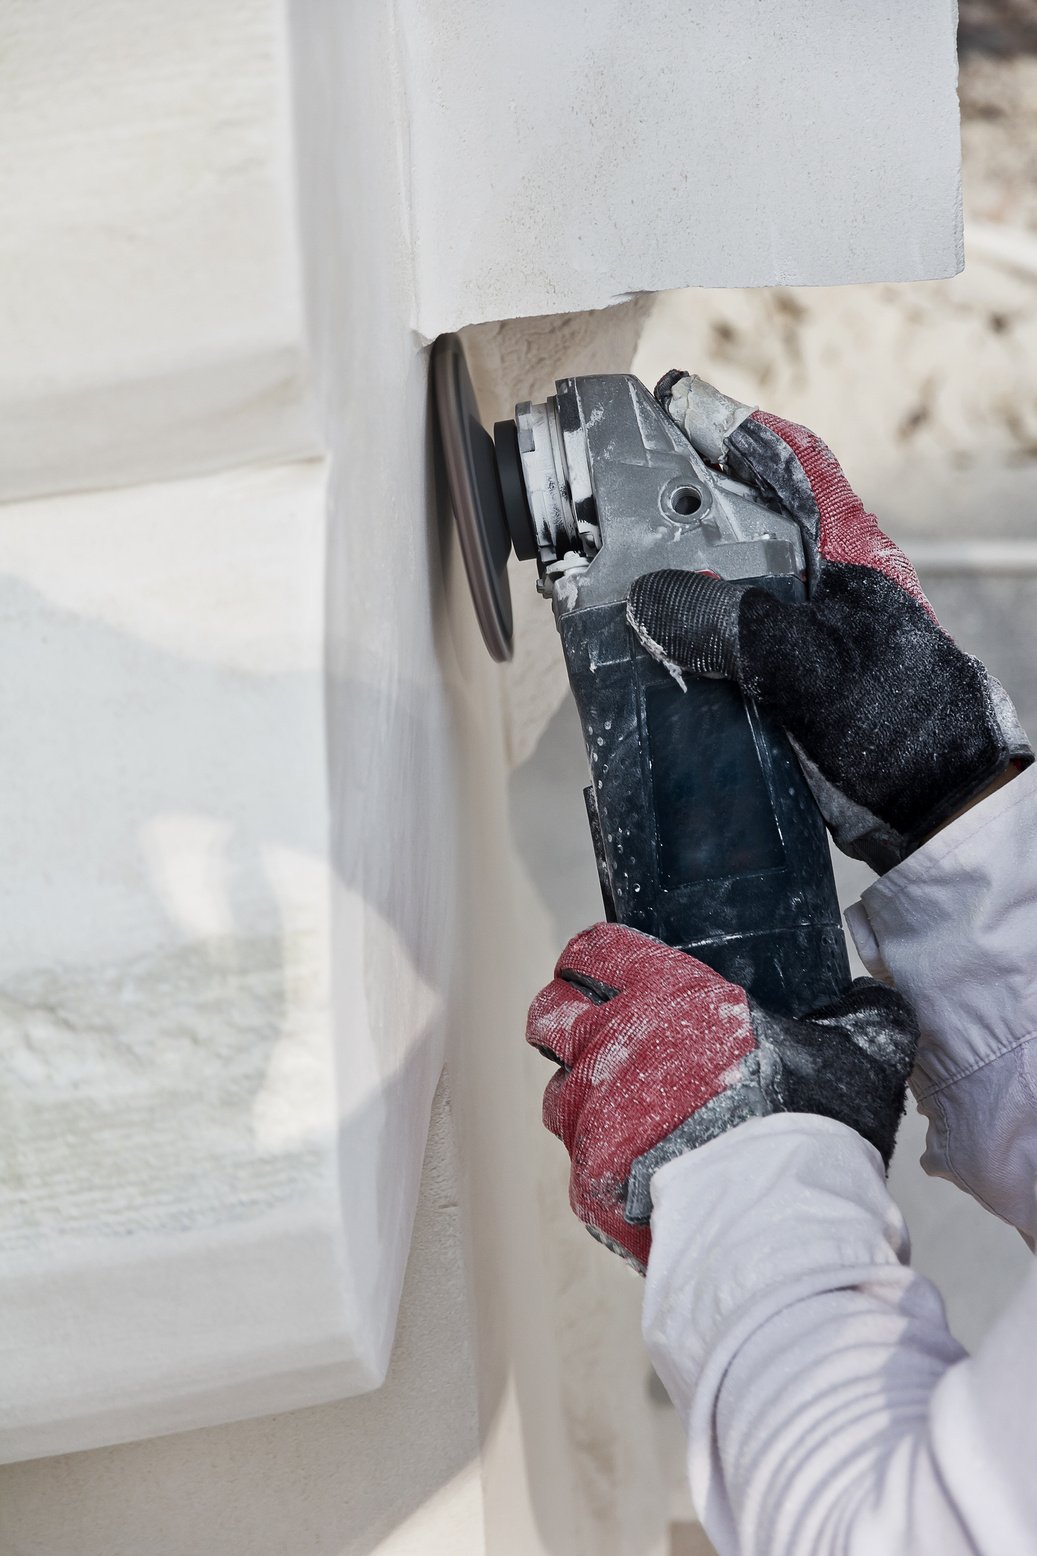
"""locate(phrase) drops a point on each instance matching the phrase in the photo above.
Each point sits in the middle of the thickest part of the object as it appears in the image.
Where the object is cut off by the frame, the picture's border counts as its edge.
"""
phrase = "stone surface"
(563, 158)
(148, 242)
(170, 1124)
(397, 1471)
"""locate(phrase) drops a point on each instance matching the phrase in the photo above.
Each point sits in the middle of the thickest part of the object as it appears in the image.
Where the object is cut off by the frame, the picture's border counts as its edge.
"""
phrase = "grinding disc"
(475, 494)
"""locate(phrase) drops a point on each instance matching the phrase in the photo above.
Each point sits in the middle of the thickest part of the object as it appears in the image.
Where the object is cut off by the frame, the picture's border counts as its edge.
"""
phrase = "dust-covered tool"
(706, 833)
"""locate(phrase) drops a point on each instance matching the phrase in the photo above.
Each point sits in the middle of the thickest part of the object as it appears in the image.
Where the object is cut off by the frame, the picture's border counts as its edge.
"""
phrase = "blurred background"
(928, 395)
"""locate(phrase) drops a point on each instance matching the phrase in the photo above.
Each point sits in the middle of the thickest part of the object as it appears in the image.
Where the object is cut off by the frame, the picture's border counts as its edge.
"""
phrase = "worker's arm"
(829, 1411)
(900, 733)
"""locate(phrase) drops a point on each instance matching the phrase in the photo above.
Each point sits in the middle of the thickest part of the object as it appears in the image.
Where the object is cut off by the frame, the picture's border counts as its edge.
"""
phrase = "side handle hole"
(685, 501)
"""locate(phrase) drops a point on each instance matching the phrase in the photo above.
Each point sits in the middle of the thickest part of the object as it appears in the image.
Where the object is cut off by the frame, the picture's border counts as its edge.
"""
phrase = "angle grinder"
(705, 831)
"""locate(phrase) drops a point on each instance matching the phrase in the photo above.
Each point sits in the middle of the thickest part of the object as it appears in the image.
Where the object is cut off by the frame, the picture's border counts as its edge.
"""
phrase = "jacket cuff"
(952, 928)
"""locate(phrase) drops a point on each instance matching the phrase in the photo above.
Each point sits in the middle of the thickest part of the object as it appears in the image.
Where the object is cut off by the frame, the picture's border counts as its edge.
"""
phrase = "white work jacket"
(829, 1411)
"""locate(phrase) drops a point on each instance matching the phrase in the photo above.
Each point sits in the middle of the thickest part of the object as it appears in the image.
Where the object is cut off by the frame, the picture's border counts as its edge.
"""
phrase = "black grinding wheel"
(475, 494)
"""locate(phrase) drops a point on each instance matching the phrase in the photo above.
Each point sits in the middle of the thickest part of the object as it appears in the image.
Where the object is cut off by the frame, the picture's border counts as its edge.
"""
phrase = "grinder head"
(600, 486)
(487, 492)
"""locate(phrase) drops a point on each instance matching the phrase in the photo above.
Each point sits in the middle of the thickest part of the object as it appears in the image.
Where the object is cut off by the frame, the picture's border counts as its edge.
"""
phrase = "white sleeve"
(955, 928)
(828, 1410)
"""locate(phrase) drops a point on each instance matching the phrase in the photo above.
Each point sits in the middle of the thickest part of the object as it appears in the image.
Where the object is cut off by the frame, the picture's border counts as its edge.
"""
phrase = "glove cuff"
(848, 1061)
(1010, 746)
(744, 1097)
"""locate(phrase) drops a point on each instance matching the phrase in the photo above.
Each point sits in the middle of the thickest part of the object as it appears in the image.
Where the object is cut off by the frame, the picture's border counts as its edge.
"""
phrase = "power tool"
(705, 831)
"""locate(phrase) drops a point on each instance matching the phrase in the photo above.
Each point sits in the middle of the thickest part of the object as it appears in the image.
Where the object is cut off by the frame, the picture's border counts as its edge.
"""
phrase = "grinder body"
(706, 833)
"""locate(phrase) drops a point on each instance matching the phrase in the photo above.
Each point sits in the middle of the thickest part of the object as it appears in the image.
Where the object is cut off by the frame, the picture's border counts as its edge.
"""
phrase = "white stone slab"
(148, 260)
(172, 1227)
(562, 156)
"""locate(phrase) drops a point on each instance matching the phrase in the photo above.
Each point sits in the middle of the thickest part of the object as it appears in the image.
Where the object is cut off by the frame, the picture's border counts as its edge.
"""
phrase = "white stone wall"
(259, 878)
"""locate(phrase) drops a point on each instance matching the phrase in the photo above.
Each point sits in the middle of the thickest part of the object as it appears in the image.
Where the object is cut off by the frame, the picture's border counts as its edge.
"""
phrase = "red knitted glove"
(659, 1054)
(896, 728)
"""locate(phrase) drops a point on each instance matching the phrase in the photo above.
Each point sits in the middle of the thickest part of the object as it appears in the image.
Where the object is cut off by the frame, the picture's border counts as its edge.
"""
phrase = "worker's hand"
(896, 728)
(659, 1054)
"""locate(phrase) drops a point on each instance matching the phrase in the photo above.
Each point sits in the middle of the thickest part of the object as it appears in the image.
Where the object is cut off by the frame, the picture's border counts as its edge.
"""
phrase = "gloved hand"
(659, 1054)
(896, 728)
